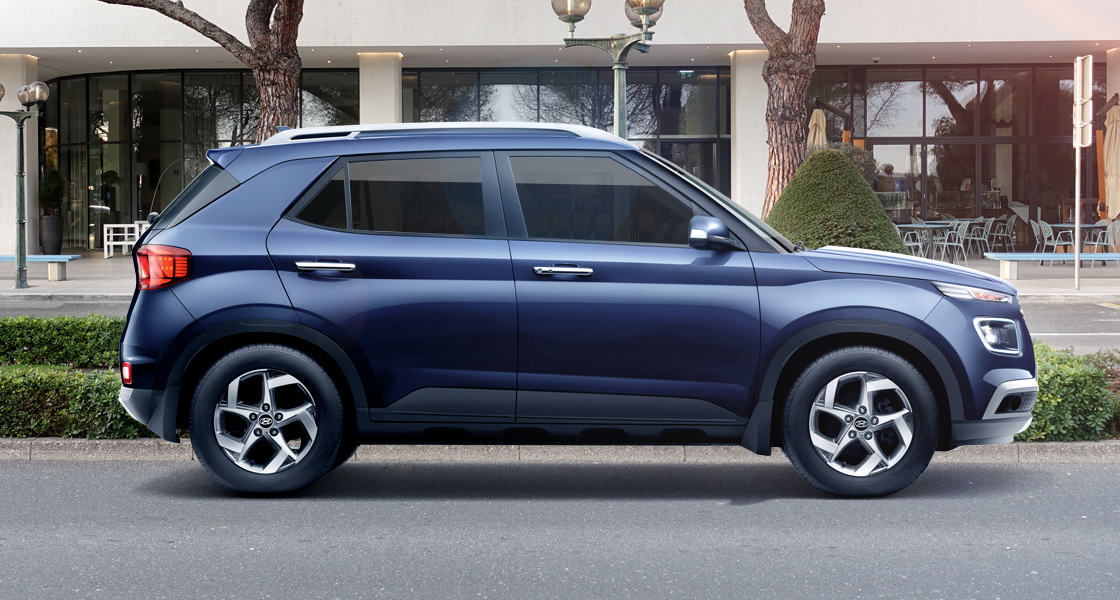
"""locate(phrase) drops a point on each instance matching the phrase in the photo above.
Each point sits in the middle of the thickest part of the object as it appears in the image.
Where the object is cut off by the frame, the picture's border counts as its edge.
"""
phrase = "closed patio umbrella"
(1112, 160)
(816, 129)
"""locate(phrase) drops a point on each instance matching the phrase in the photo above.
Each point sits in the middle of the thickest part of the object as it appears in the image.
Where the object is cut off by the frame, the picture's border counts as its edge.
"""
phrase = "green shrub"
(83, 342)
(827, 203)
(863, 160)
(48, 401)
(1074, 402)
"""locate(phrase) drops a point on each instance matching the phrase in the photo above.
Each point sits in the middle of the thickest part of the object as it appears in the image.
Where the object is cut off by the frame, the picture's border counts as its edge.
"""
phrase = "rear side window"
(211, 184)
(421, 195)
(596, 198)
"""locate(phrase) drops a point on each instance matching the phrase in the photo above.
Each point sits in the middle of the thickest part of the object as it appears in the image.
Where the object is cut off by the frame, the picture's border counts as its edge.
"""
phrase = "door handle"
(325, 266)
(548, 271)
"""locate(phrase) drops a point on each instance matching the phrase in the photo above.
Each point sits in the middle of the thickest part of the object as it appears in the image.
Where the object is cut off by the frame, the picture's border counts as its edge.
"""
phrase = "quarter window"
(428, 195)
(591, 198)
(328, 208)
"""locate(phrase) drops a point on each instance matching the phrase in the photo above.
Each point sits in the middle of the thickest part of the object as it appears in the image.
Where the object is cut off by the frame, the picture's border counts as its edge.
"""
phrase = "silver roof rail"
(354, 131)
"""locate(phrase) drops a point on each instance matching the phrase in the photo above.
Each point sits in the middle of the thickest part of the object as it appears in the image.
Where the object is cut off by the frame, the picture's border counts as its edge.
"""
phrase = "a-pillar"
(17, 70)
(379, 81)
(748, 129)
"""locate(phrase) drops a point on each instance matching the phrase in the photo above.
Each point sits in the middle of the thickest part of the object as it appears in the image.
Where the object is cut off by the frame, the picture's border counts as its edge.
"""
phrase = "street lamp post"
(643, 14)
(34, 94)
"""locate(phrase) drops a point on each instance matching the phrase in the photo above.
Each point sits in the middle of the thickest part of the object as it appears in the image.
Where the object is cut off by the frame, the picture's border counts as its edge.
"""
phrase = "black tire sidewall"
(804, 455)
(328, 406)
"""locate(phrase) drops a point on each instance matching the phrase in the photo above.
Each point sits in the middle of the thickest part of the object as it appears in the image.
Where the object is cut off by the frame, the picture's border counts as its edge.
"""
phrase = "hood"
(857, 261)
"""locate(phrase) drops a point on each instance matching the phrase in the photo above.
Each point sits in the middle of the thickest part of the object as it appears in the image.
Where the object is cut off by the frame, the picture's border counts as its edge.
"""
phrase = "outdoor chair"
(1003, 232)
(1054, 241)
(1104, 241)
(955, 238)
(978, 234)
(912, 240)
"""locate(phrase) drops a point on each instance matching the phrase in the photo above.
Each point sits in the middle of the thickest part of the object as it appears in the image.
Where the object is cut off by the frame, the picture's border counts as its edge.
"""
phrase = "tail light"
(162, 266)
(126, 373)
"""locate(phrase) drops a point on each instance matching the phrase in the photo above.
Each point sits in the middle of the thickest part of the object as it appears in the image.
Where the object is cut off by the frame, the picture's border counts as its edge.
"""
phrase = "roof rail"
(388, 129)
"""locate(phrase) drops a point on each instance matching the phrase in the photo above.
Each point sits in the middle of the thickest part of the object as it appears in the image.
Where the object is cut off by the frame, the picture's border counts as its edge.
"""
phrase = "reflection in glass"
(893, 99)
(642, 97)
(698, 158)
(157, 107)
(1003, 101)
(449, 96)
(1003, 185)
(410, 97)
(952, 181)
(1054, 180)
(194, 159)
(329, 98)
(1053, 97)
(108, 108)
(157, 171)
(508, 96)
(899, 180)
(687, 103)
(73, 165)
(578, 97)
(250, 110)
(212, 106)
(110, 188)
(950, 101)
(831, 86)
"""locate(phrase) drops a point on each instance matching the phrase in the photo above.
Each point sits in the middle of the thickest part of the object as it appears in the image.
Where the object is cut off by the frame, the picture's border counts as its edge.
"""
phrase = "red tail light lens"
(126, 373)
(162, 266)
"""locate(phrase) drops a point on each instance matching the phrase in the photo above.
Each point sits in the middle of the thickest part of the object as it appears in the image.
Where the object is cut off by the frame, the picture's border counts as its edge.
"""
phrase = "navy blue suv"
(530, 284)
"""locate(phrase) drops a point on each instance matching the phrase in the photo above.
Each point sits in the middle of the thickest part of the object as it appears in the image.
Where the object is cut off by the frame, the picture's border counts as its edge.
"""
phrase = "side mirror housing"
(710, 233)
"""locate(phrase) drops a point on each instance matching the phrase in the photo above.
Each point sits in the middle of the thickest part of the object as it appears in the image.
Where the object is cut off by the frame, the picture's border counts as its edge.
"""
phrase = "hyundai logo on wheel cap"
(861, 423)
(266, 421)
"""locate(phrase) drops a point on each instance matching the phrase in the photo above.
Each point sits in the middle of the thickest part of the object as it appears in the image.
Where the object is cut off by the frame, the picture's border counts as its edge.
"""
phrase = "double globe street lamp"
(32, 94)
(642, 14)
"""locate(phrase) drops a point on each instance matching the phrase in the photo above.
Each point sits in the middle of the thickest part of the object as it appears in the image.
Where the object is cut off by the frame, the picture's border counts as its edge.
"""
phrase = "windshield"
(757, 225)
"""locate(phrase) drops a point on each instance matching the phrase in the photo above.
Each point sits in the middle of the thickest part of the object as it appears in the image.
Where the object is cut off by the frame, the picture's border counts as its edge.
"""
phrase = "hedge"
(1074, 400)
(50, 401)
(828, 203)
(83, 342)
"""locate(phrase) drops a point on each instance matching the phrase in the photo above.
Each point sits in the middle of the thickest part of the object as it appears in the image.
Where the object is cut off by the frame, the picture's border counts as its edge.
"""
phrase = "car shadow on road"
(736, 483)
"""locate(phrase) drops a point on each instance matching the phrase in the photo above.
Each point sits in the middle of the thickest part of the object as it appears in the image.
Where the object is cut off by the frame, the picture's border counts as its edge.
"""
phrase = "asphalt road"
(1086, 326)
(164, 530)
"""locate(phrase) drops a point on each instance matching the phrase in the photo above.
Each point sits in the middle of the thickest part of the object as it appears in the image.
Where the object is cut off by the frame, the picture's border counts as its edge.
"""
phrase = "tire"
(262, 450)
(846, 442)
(347, 449)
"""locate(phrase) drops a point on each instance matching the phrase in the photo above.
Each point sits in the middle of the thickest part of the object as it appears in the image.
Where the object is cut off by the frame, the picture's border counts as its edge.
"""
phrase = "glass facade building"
(973, 140)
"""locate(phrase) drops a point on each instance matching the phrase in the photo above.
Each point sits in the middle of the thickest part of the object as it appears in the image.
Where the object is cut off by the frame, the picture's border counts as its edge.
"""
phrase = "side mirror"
(709, 233)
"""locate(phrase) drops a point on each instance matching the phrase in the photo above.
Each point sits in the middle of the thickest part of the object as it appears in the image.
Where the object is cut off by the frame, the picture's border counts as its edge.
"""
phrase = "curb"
(40, 449)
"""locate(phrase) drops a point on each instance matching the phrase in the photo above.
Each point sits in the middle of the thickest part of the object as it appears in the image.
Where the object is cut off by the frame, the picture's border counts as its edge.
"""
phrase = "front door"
(619, 319)
(403, 262)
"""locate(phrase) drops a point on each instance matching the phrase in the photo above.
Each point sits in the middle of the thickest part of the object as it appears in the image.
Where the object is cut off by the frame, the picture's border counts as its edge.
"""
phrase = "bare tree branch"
(763, 25)
(176, 11)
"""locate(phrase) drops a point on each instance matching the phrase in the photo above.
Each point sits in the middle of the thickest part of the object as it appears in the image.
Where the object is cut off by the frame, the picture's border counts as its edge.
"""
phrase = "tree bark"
(272, 55)
(787, 71)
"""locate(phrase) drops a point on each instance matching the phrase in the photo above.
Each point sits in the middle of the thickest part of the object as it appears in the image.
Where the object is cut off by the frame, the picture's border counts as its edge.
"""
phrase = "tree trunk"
(278, 86)
(787, 78)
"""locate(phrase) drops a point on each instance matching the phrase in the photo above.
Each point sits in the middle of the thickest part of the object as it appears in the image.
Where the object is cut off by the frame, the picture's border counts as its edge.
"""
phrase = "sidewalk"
(39, 449)
(94, 278)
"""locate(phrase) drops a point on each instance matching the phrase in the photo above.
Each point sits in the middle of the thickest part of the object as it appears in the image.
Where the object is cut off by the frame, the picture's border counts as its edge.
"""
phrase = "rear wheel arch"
(808, 345)
(221, 340)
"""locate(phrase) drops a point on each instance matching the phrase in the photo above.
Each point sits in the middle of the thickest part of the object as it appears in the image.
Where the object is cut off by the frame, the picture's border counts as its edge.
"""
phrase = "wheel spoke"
(282, 444)
(304, 416)
(276, 462)
(281, 381)
(236, 447)
(867, 466)
(824, 444)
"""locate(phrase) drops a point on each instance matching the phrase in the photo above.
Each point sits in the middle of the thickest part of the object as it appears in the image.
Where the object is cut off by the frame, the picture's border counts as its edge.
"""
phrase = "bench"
(56, 263)
(1009, 261)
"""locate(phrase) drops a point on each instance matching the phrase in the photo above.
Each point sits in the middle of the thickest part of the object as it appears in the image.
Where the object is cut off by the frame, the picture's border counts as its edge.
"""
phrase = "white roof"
(355, 130)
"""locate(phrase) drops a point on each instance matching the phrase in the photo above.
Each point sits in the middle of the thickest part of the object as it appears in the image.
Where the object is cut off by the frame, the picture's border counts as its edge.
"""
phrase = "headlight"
(1000, 336)
(961, 292)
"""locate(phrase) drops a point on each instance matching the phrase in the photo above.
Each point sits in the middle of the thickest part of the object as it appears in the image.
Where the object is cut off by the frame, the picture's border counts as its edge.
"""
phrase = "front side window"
(596, 198)
(419, 195)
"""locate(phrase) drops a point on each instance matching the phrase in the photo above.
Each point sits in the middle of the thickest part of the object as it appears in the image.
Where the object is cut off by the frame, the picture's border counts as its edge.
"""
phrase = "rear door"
(402, 261)
(619, 319)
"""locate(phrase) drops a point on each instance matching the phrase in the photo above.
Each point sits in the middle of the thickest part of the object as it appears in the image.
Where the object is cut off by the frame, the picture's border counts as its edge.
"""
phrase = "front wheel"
(266, 419)
(860, 421)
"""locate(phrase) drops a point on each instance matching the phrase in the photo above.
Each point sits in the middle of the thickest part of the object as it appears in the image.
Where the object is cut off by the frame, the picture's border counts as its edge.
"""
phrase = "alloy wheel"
(267, 421)
(861, 424)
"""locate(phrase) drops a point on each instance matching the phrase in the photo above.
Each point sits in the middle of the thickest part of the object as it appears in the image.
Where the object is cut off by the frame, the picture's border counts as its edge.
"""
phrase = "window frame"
(491, 197)
(515, 217)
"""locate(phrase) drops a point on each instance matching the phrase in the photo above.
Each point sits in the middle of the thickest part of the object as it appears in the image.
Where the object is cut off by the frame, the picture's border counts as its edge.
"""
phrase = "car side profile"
(536, 284)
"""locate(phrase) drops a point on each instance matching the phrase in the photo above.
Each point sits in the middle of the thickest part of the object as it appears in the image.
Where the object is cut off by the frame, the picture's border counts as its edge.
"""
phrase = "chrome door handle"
(546, 271)
(325, 266)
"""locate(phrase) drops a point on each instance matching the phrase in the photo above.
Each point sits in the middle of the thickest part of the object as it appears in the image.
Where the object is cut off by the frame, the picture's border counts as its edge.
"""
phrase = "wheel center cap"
(860, 424)
(266, 421)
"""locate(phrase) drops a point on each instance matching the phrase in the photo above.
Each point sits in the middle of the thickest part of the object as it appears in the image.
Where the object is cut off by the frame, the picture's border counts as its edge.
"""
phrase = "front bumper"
(997, 427)
(156, 409)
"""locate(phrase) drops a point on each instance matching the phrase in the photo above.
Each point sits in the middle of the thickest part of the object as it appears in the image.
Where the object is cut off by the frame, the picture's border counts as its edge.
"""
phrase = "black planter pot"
(50, 234)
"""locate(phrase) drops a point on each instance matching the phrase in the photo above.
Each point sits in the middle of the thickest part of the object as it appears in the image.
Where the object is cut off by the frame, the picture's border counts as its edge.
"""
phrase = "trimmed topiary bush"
(863, 159)
(1074, 402)
(828, 203)
(48, 401)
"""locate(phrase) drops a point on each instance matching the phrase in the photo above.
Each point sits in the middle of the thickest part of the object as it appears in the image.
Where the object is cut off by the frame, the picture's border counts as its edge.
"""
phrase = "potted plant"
(52, 191)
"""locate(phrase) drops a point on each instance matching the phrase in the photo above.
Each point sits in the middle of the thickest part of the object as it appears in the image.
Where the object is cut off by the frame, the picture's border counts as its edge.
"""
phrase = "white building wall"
(749, 150)
(17, 70)
(379, 82)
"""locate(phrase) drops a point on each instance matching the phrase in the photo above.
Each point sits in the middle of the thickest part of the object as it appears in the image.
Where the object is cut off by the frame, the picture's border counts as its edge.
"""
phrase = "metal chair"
(954, 238)
(979, 235)
(1002, 233)
(1054, 241)
(911, 239)
(1104, 240)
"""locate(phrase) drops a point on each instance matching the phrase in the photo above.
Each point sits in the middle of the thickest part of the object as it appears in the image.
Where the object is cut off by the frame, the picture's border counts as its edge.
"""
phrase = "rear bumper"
(156, 409)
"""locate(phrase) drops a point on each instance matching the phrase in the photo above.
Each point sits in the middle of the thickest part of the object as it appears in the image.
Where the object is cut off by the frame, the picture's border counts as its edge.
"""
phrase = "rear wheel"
(860, 421)
(266, 419)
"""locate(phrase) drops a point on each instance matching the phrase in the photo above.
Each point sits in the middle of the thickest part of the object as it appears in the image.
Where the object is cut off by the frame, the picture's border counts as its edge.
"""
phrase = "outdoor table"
(929, 227)
(1085, 228)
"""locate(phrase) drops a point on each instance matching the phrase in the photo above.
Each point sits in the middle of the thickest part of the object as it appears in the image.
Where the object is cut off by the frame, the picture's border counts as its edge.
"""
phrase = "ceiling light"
(970, 45)
(837, 45)
(328, 62)
(79, 51)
